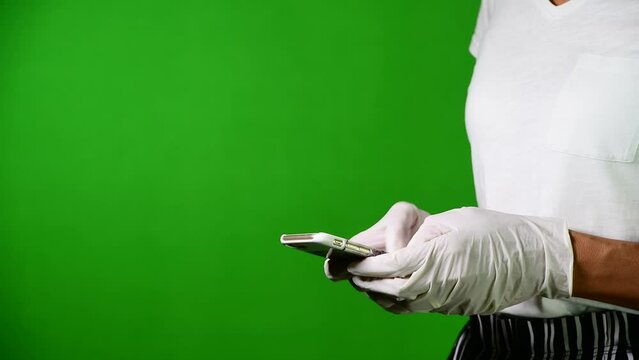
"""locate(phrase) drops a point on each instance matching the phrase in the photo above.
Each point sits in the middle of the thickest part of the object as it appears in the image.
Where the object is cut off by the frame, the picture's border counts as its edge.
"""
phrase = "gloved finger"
(335, 269)
(373, 237)
(397, 236)
(400, 211)
(405, 220)
(384, 286)
(350, 280)
(336, 263)
(390, 265)
(421, 216)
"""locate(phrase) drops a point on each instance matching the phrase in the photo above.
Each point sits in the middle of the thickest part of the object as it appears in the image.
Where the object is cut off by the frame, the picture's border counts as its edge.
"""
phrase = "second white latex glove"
(471, 261)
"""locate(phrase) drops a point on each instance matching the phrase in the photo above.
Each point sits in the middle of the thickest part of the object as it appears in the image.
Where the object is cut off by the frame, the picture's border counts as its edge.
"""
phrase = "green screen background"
(152, 152)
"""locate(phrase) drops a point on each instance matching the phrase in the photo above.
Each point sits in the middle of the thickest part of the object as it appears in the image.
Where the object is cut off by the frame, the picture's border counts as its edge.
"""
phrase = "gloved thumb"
(404, 261)
(396, 237)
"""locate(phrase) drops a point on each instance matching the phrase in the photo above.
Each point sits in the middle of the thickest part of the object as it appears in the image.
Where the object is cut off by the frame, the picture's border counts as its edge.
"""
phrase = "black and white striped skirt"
(598, 335)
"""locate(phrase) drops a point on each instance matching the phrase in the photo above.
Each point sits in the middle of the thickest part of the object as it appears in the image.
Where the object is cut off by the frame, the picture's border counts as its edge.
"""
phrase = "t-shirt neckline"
(556, 11)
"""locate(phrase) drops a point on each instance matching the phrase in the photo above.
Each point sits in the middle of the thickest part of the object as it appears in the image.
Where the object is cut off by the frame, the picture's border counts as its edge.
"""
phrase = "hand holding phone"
(390, 233)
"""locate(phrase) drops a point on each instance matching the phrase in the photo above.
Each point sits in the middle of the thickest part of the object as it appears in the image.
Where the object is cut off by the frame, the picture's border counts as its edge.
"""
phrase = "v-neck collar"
(557, 11)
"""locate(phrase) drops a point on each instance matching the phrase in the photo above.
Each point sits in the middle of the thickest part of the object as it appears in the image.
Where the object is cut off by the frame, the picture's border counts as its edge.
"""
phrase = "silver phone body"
(320, 243)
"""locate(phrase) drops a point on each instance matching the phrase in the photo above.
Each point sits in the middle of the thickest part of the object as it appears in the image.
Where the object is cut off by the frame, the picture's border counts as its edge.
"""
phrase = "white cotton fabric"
(552, 116)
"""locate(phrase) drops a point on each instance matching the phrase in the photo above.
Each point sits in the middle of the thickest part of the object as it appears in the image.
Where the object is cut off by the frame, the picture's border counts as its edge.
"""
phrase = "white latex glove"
(471, 261)
(392, 232)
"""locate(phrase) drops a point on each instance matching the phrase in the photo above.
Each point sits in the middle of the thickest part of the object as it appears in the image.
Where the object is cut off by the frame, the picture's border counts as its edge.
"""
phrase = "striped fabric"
(598, 335)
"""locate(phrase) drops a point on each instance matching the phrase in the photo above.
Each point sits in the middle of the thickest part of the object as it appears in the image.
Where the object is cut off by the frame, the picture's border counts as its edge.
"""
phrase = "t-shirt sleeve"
(481, 26)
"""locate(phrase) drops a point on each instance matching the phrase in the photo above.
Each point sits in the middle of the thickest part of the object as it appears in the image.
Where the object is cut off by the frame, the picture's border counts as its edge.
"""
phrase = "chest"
(559, 85)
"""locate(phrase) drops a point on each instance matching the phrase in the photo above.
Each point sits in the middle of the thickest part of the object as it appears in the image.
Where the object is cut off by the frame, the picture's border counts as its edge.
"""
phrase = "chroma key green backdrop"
(152, 152)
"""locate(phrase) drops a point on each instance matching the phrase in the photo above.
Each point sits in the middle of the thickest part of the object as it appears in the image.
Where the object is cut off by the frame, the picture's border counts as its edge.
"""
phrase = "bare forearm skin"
(606, 270)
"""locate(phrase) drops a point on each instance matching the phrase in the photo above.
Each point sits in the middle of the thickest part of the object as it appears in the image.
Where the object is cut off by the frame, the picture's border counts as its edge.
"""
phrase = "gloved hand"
(471, 261)
(392, 232)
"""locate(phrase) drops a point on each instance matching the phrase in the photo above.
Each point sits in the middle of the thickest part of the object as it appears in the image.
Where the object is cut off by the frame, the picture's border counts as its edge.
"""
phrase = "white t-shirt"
(552, 116)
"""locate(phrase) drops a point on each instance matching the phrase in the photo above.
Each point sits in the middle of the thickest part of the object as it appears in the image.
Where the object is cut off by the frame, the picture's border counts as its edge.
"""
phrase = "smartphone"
(320, 243)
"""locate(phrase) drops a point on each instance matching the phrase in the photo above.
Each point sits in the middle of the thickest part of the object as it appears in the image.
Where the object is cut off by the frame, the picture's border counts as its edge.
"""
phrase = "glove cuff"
(559, 258)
